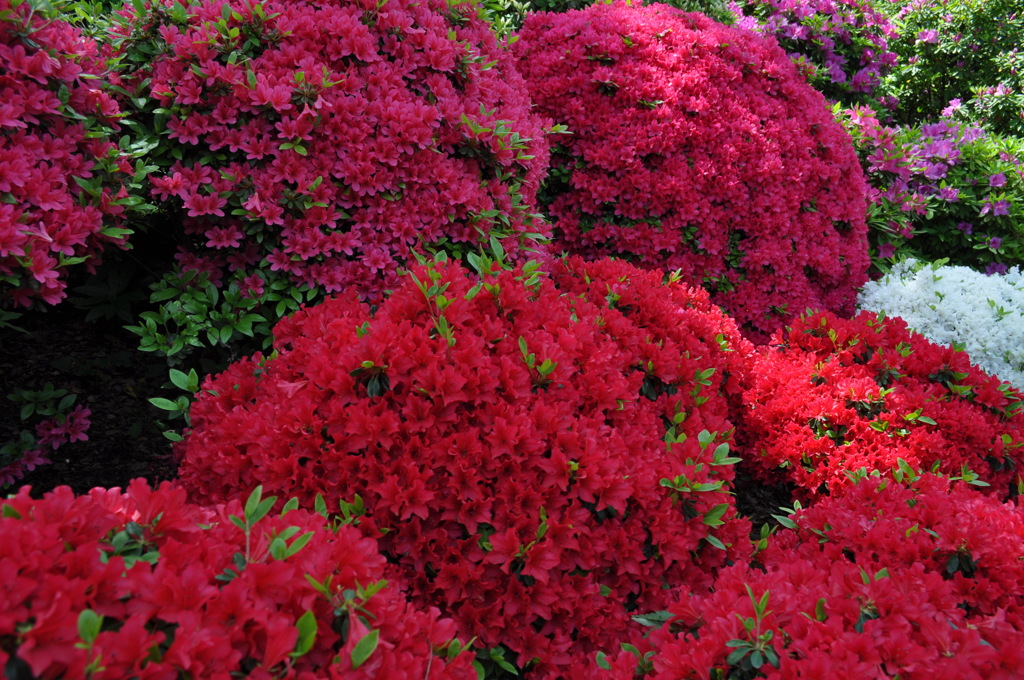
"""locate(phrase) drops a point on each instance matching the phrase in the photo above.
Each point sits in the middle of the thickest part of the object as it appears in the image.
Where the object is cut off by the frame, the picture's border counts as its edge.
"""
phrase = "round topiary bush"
(143, 584)
(62, 181)
(886, 580)
(835, 396)
(698, 147)
(326, 140)
(536, 459)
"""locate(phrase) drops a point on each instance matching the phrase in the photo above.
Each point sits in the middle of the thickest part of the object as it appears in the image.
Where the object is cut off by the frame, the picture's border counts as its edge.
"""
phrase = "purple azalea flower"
(997, 180)
(949, 194)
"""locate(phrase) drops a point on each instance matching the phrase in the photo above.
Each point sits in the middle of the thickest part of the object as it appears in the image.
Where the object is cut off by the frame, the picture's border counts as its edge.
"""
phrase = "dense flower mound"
(698, 147)
(327, 139)
(843, 44)
(61, 192)
(142, 584)
(884, 581)
(947, 305)
(534, 462)
(836, 396)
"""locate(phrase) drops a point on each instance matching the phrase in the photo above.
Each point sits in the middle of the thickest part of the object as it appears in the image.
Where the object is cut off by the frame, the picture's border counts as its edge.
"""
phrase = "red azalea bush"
(328, 139)
(536, 459)
(919, 582)
(698, 147)
(62, 197)
(142, 584)
(839, 395)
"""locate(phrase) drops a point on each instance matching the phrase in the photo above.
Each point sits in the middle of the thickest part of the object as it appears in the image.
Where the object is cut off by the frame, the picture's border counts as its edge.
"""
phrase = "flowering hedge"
(836, 396)
(328, 139)
(886, 580)
(946, 304)
(698, 147)
(842, 44)
(143, 584)
(62, 193)
(535, 460)
(941, 190)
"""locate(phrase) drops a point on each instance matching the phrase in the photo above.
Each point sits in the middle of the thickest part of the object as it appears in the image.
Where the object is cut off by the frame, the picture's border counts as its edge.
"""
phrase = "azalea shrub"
(319, 144)
(49, 420)
(537, 457)
(697, 147)
(144, 584)
(941, 190)
(63, 181)
(956, 305)
(954, 50)
(919, 581)
(842, 45)
(833, 396)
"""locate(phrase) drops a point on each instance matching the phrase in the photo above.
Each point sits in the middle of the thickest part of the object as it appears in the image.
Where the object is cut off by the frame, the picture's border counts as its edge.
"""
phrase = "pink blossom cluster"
(329, 139)
(698, 147)
(536, 459)
(51, 434)
(61, 179)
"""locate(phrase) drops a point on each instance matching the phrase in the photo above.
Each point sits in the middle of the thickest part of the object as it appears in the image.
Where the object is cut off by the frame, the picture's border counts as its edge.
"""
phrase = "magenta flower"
(997, 180)
(886, 250)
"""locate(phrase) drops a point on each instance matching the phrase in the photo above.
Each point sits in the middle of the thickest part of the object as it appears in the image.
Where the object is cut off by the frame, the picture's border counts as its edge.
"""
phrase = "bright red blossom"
(515, 473)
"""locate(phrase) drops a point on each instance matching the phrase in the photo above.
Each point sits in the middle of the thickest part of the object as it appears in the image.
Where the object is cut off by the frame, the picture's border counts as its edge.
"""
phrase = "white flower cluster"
(957, 305)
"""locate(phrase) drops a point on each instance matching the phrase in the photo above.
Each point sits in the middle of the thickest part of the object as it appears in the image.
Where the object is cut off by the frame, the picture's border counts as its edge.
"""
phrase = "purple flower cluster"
(843, 45)
(949, 185)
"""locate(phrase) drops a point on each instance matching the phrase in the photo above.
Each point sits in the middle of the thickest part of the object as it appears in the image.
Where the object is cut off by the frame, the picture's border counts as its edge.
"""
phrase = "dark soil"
(100, 363)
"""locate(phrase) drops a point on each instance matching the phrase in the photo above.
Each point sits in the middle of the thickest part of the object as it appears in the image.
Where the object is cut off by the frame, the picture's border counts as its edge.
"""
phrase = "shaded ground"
(98, 361)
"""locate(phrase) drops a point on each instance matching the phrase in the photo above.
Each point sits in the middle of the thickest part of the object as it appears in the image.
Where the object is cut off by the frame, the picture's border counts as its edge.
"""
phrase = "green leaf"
(819, 610)
(9, 512)
(713, 517)
(89, 624)
(364, 648)
(653, 619)
(602, 661)
(165, 404)
(180, 379)
(306, 626)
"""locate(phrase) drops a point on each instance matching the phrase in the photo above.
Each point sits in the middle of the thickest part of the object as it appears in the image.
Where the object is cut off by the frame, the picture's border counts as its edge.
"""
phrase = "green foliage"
(949, 50)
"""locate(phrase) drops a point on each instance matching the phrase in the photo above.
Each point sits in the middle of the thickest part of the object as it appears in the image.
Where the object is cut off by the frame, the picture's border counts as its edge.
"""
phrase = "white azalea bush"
(958, 305)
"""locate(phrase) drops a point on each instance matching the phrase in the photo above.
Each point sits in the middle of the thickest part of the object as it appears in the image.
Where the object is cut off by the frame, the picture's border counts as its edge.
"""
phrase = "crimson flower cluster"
(835, 396)
(328, 139)
(698, 147)
(143, 584)
(884, 580)
(535, 458)
(61, 179)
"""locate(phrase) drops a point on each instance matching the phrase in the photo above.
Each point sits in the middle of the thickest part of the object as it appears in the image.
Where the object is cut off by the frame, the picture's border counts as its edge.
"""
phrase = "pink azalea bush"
(919, 581)
(143, 584)
(536, 457)
(698, 147)
(327, 140)
(62, 181)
